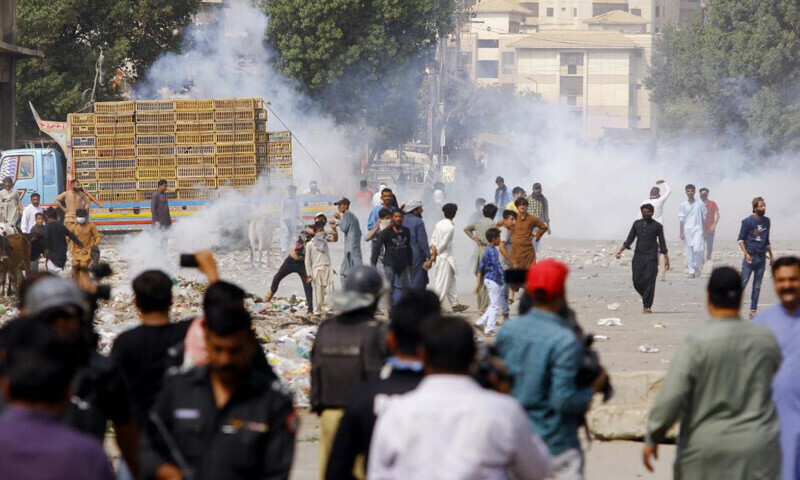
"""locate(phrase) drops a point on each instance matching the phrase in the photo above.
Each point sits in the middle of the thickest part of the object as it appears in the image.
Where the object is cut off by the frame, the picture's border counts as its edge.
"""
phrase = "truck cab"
(39, 170)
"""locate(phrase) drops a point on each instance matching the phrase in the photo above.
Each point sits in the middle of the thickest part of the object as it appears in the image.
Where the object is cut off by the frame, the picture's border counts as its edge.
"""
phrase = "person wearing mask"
(89, 239)
(712, 219)
(450, 426)
(159, 206)
(395, 243)
(29, 214)
(755, 245)
(34, 442)
(476, 231)
(71, 200)
(783, 320)
(351, 228)
(56, 235)
(539, 207)
(99, 392)
(388, 202)
(544, 354)
(719, 386)
(9, 202)
(225, 420)
(290, 216)
(649, 237)
(692, 216)
(37, 235)
(502, 196)
(401, 374)
(443, 270)
(346, 354)
(421, 251)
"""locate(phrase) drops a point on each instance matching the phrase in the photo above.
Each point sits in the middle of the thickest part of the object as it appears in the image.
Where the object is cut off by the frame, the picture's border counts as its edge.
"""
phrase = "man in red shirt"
(363, 199)
(712, 218)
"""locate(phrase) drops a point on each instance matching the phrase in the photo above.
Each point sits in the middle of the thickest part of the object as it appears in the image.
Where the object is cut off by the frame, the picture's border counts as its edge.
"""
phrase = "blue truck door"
(22, 166)
(51, 179)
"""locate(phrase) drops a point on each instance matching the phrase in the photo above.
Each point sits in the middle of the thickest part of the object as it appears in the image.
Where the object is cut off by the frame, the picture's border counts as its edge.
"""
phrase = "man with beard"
(351, 228)
(539, 207)
(395, 241)
(712, 219)
(693, 218)
(649, 237)
(754, 242)
(225, 420)
(523, 236)
(70, 201)
(387, 202)
(784, 321)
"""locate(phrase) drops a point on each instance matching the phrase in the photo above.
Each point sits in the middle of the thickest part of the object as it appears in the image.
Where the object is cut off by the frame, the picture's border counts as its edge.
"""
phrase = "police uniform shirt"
(251, 437)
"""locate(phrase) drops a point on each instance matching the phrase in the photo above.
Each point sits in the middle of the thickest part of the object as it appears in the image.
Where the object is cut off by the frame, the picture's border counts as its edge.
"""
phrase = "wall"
(607, 91)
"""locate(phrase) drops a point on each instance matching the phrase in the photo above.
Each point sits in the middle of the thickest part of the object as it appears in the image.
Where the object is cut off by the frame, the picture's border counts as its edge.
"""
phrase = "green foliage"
(734, 76)
(363, 60)
(71, 33)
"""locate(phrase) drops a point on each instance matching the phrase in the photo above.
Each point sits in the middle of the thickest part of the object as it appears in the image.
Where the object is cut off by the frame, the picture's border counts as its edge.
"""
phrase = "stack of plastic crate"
(276, 163)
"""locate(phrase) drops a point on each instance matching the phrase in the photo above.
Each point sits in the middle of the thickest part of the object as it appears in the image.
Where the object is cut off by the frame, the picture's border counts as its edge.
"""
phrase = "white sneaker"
(488, 332)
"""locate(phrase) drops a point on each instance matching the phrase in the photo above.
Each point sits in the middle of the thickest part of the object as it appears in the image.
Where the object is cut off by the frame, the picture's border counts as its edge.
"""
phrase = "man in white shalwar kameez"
(443, 270)
(692, 216)
(319, 269)
(9, 203)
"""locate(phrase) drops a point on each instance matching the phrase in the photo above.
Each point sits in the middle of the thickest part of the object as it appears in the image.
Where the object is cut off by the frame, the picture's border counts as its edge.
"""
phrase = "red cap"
(547, 279)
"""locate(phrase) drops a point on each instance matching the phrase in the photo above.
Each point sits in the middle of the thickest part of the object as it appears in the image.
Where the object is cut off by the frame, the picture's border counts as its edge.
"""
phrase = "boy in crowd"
(318, 267)
(490, 271)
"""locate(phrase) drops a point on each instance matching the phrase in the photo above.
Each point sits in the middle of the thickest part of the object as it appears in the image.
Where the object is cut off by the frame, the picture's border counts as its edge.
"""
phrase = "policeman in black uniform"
(347, 353)
(401, 374)
(225, 420)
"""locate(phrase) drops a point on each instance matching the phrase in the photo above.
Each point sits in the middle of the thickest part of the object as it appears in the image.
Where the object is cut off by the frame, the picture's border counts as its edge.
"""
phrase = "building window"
(549, 12)
(466, 58)
(563, 9)
(572, 69)
(575, 12)
(25, 167)
(572, 100)
(571, 86)
(658, 11)
(487, 69)
(532, 6)
(508, 62)
(636, 11)
(571, 58)
(658, 30)
(488, 43)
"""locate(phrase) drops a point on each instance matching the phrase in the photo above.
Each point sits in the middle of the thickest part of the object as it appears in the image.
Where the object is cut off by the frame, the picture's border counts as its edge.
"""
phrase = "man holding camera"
(544, 356)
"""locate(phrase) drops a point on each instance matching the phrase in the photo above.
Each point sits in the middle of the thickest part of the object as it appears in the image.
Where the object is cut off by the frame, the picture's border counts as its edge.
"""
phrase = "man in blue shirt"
(544, 355)
(386, 202)
(754, 242)
(784, 321)
(491, 272)
(502, 196)
(420, 249)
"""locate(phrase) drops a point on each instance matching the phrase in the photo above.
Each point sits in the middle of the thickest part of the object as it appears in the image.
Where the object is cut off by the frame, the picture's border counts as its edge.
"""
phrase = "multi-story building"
(591, 56)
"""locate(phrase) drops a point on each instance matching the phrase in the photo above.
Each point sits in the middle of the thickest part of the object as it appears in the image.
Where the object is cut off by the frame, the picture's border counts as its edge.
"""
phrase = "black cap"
(725, 281)
(342, 201)
(499, 179)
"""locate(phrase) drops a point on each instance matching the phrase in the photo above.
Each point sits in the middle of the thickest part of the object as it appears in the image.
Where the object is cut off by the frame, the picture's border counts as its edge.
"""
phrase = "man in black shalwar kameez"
(649, 236)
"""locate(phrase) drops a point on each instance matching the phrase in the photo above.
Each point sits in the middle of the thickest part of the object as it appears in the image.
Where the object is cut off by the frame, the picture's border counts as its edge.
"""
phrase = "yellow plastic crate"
(194, 138)
(197, 194)
(196, 172)
(155, 139)
(235, 137)
(126, 107)
(279, 170)
(279, 160)
(151, 185)
(111, 174)
(249, 103)
(197, 183)
(185, 105)
(105, 107)
(84, 175)
(186, 127)
(224, 104)
(186, 116)
(147, 174)
(231, 159)
(236, 148)
(205, 116)
(117, 185)
(81, 118)
(106, 130)
(147, 162)
(283, 136)
(167, 173)
(155, 117)
(232, 115)
(237, 182)
(279, 148)
(114, 196)
(155, 128)
(123, 141)
(238, 126)
(205, 105)
(167, 162)
(195, 161)
(84, 153)
(205, 126)
(82, 130)
(154, 105)
(195, 150)
(155, 151)
(236, 171)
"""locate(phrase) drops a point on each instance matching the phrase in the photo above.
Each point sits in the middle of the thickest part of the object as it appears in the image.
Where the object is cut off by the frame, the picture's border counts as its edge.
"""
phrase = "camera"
(490, 371)
(590, 369)
(100, 271)
(189, 260)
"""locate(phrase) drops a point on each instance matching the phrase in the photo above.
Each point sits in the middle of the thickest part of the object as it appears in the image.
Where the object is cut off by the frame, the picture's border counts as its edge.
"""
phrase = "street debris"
(610, 322)
(648, 349)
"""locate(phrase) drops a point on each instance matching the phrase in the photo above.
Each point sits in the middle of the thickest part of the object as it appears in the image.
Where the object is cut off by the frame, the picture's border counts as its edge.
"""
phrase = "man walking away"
(754, 243)
(502, 196)
(476, 231)
(712, 219)
(420, 250)
(658, 197)
(693, 218)
(226, 420)
(451, 427)
(159, 206)
(347, 353)
(29, 214)
(719, 385)
(402, 373)
(784, 322)
(544, 354)
(444, 262)
(491, 273)
(351, 228)
(395, 242)
(649, 237)
(34, 443)
(538, 206)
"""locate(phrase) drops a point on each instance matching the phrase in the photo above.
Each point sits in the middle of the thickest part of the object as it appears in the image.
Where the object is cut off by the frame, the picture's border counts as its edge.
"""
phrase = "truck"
(202, 147)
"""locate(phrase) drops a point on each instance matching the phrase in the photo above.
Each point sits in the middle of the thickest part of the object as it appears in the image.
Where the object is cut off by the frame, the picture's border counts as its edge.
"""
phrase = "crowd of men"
(411, 397)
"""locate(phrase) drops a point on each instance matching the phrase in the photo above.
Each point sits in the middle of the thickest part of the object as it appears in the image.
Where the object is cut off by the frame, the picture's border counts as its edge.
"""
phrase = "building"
(591, 56)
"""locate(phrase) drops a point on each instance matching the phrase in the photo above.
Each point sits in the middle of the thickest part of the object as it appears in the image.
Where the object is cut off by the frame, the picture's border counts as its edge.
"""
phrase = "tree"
(72, 33)
(734, 74)
(363, 60)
